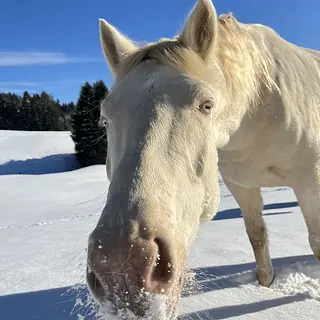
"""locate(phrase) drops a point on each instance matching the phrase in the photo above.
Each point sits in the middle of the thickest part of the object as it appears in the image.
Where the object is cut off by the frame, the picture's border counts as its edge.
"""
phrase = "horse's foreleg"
(306, 186)
(251, 205)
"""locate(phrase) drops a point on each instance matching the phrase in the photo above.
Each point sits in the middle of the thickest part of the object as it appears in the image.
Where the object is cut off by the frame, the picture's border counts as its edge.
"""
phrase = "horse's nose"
(116, 266)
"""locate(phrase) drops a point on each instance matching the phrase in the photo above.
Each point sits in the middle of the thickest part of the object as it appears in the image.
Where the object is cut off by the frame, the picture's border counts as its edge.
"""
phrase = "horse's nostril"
(131, 266)
(95, 285)
(162, 272)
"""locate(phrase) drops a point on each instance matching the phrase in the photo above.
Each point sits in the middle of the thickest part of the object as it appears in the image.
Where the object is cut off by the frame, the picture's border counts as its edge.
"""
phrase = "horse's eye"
(206, 107)
(103, 122)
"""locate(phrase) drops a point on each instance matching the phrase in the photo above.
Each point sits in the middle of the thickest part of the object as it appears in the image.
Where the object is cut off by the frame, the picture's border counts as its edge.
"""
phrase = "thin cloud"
(18, 84)
(12, 58)
(33, 87)
(54, 83)
(13, 90)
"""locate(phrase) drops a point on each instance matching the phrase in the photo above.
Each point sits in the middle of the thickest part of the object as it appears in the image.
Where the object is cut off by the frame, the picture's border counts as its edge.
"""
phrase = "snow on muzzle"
(125, 267)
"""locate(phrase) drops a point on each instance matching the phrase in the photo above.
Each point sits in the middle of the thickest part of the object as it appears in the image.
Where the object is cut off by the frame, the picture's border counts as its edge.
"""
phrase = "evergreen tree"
(68, 107)
(51, 113)
(67, 110)
(100, 91)
(81, 126)
(12, 112)
(89, 138)
(4, 120)
(27, 115)
(36, 114)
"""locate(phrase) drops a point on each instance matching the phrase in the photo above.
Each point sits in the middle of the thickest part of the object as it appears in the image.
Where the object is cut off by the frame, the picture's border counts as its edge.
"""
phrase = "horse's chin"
(150, 307)
(157, 310)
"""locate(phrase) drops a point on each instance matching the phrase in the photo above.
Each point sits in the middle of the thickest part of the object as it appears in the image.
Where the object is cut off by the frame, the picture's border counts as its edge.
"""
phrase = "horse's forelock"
(167, 52)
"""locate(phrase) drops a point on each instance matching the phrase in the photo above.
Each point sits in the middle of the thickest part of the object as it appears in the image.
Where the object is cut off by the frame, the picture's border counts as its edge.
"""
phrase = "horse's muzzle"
(121, 267)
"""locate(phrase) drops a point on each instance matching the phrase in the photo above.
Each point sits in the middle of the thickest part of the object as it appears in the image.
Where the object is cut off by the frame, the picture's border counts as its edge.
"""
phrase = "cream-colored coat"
(221, 91)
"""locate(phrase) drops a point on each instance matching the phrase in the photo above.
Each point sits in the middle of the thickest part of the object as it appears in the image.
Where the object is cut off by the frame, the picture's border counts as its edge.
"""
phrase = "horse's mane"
(245, 65)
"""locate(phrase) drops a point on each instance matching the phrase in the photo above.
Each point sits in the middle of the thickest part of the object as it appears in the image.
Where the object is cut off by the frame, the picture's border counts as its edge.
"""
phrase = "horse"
(223, 96)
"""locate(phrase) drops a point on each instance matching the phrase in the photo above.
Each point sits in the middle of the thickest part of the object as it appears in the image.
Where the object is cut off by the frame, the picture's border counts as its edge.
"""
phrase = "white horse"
(220, 94)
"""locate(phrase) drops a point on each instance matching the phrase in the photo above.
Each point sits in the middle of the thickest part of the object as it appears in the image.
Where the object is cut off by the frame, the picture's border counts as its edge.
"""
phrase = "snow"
(48, 206)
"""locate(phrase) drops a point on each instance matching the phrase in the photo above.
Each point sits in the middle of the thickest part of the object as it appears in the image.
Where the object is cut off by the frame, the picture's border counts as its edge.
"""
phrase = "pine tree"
(89, 138)
(68, 107)
(36, 114)
(100, 135)
(5, 122)
(49, 113)
(81, 126)
(3, 109)
(27, 114)
(13, 106)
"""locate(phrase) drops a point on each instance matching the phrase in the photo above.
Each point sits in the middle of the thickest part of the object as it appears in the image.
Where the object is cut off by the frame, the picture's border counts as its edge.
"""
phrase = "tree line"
(41, 112)
(37, 112)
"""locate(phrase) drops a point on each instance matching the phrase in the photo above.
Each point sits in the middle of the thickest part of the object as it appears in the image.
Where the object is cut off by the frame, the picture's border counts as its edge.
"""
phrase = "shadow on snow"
(236, 213)
(51, 164)
(59, 304)
(53, 304)
(242, 309)
(230, 276)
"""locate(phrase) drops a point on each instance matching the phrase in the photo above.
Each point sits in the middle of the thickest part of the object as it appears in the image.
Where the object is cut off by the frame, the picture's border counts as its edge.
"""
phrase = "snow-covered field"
(48, 207)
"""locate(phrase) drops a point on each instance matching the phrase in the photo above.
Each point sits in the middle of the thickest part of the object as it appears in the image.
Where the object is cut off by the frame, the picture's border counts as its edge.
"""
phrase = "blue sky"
(54, 45)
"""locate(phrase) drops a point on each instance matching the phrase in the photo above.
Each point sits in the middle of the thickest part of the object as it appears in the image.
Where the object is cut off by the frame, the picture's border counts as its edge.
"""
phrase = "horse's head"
(162, 164)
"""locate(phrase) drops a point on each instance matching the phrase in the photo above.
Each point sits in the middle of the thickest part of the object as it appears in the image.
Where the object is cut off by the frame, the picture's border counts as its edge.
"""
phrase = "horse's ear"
(201, 29)
(114, 45)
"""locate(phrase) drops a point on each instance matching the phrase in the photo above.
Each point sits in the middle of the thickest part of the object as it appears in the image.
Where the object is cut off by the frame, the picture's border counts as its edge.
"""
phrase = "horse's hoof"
(314, 241)
(317, 253)
(266, 278)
